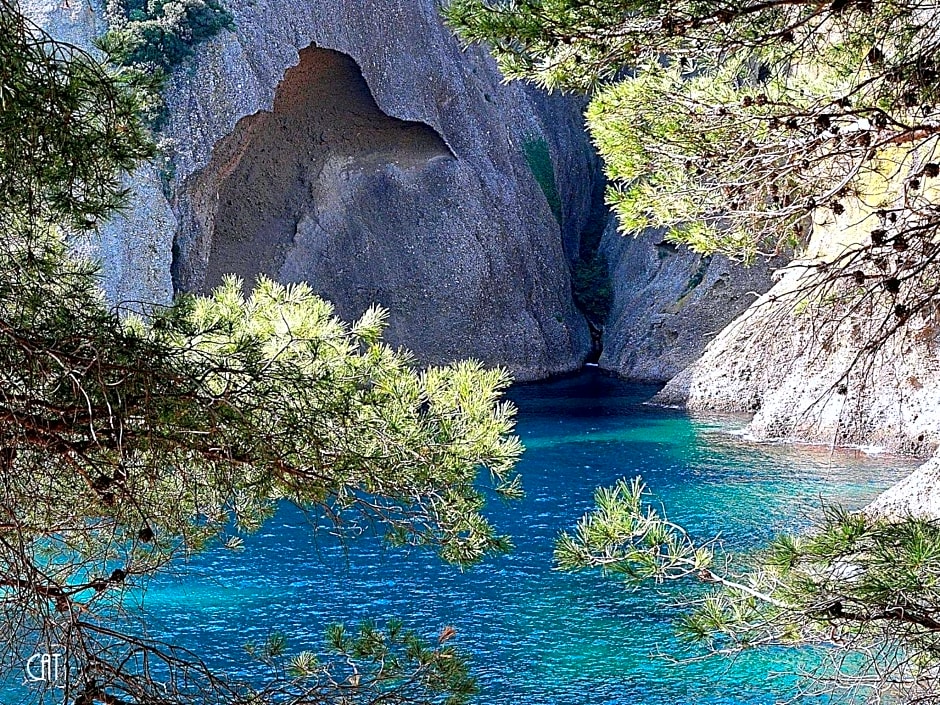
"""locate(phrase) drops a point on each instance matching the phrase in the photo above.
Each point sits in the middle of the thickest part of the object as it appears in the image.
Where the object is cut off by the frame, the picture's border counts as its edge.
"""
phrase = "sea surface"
(538, 636)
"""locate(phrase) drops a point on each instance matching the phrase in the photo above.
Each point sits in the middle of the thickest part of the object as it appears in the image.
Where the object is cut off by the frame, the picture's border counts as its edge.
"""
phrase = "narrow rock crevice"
(592, 288)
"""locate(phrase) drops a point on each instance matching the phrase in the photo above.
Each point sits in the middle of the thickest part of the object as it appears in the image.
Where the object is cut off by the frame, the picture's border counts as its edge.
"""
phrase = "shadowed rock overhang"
(324, 129)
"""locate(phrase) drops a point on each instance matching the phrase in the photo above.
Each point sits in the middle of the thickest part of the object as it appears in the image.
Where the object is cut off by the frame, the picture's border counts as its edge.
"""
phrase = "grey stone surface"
(460, 244)
(77, 22)
(435, 214)
(389, 166)
(669, 302)
(135, 247)
(918, 496)
(797, 372)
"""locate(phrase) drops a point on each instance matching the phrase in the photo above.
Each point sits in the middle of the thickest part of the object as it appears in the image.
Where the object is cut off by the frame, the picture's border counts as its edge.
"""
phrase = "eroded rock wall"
(802, 362)
(356, 146)
(402, 176)
(811, 364)
(805, 376)
(134, 248)
(403, 164)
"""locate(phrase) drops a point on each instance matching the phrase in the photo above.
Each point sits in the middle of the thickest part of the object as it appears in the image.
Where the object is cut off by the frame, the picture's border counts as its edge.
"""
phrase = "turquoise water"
(537, 636)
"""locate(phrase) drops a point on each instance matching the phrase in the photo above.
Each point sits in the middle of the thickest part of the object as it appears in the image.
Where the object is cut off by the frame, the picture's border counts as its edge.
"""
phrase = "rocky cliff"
(357, 146)
(802, 363)
(918, 495)
(135, 247)
(795, 370)
(669, 302)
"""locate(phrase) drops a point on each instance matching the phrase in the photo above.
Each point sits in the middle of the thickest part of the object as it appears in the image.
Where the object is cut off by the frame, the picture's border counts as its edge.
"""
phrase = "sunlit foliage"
(126, 443)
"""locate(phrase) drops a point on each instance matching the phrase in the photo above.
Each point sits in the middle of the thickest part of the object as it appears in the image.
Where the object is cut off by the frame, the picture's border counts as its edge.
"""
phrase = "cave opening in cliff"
(324, 127)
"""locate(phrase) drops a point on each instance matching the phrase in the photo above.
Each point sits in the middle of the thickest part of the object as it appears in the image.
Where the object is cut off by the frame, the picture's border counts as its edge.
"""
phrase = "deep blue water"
(537, 636)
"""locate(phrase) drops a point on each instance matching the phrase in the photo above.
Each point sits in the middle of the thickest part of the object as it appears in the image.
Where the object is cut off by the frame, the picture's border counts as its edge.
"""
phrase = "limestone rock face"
(801, 361)
(135, 247)
(669, 302)
(77, 23)
(796, 371)
(918, 495)
(355, 145)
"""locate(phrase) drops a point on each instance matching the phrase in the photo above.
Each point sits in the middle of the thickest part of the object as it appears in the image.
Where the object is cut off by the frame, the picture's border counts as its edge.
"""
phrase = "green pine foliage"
(372, 664)
(125, 443)
(157, 35)
(738, 129)
(539, 158)
(67, 130)
(869, 586)
(733, 126)
(591, 287)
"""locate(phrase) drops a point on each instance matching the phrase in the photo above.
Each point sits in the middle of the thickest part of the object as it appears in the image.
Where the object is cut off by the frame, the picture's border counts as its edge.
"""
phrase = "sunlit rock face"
(918, 496)
(325, 187)
(356, 146)
(804, 366)
(135, 247)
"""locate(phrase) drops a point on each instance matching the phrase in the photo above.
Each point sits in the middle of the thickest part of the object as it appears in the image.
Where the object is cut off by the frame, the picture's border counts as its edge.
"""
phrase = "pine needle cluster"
(864, 593)
(125, 444)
